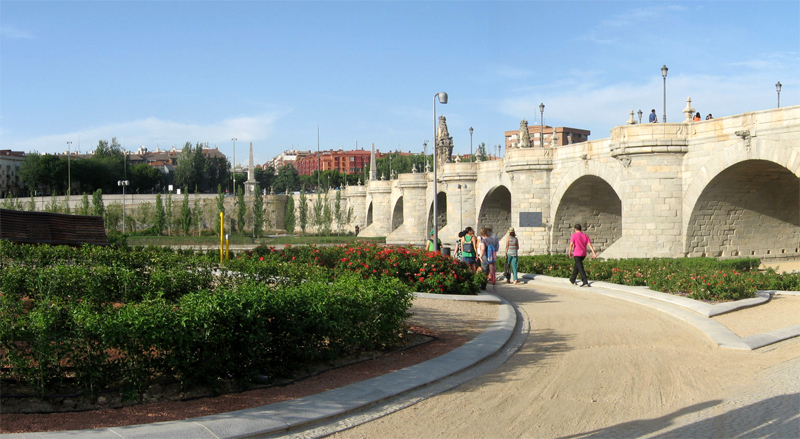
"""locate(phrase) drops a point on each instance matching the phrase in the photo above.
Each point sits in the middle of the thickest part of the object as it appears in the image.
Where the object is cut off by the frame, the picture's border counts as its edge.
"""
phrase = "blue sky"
(158, 73)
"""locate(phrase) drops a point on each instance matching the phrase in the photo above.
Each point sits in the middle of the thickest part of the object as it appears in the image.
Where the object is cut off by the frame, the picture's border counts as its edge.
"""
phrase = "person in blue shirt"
(653, 117)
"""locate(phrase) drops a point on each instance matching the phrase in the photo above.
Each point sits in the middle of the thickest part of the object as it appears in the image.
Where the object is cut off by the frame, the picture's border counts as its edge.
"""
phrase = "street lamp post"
(69, 170)
(664, 74)
(442, 97)
(778, 88)
(640, 116)
(541, 125)
(460, 208)
(123, 183)
(470, 145)
(233, 168)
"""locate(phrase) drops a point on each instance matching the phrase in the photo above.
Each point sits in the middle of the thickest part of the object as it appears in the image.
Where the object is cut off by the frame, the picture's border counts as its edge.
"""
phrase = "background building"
(10, 162)
(562, 134)
(346, 162)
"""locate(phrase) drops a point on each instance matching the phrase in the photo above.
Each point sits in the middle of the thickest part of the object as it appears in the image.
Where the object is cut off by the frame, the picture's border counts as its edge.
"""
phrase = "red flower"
(262, 258)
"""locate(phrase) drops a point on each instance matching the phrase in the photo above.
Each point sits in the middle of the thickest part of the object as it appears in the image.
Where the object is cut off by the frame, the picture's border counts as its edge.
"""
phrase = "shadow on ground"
(777, 417)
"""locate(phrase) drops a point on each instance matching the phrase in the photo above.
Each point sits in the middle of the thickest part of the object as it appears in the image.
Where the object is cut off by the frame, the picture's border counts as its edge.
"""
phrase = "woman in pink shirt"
(577, 249)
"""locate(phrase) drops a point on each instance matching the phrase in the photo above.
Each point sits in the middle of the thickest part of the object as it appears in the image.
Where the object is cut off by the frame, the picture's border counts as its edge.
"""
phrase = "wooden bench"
(51, 228)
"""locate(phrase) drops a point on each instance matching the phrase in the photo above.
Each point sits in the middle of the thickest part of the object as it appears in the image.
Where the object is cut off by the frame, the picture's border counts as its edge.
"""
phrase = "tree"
(169, 214)
(265, 177)
(327, 220)
(185, 217)
(303, 211)
(160, 217)
(481, 152)
(318, 218)
(217, 170)
(191, 167)
(84, 208)
(144, 178)
(288, 215)
(220, 208)
(338, 213)
(287, 180)
(144, 216)
(258, 212)
(241, 209)
(98, 209)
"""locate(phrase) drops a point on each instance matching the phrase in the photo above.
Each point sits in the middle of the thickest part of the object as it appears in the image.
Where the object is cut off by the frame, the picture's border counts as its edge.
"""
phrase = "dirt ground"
(589, 362)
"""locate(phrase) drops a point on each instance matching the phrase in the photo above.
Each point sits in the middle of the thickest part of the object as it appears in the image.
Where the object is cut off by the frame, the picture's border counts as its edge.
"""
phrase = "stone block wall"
(593, 204)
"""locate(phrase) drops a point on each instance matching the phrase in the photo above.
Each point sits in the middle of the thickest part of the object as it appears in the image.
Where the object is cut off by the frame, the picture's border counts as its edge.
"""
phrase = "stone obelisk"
(373, 168)
(250, 184)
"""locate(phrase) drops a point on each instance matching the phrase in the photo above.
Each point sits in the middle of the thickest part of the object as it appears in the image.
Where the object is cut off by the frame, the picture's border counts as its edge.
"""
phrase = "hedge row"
(67, 317)
(698, 278)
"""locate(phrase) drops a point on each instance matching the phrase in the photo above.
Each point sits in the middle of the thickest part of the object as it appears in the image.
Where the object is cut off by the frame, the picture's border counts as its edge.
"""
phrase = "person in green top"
(431, 247)
(512, 255)
(468, 244)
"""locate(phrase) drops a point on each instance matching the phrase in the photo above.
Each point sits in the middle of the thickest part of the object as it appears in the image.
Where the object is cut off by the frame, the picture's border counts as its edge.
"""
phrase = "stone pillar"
(651, 195)
(461, 205)
(355, 197)
(379, 193)
(529, 171)
(415, 212)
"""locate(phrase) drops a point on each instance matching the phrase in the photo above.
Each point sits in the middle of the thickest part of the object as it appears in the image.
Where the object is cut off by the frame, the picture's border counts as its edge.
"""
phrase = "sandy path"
(590, 362)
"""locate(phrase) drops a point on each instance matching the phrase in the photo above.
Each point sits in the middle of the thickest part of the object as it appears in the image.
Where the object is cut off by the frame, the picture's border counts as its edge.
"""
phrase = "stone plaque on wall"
(530, 219)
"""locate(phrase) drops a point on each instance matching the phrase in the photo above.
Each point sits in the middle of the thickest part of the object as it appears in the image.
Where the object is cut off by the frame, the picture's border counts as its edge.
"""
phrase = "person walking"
(577, 250)
(431, 247)
(653, 117)
(468, 250)
(512, 255)
(487, 253)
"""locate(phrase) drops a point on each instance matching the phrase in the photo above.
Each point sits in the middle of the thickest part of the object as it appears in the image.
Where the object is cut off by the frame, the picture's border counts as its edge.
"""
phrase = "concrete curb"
(683, 309)
(286, 415)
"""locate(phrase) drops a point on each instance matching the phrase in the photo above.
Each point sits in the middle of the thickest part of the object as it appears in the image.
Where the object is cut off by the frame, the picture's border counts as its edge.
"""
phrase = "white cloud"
(151, 132)
(11, 33)
(600, 107)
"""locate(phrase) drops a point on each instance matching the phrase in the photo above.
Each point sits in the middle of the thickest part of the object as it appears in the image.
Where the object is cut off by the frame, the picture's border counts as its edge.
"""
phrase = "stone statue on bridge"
(444, 143)
(524, 135)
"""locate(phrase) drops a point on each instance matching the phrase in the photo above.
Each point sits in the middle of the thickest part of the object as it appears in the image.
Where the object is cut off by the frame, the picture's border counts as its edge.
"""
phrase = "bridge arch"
(397, 213)
(594, 204)
(750, 208)
(441, 207)
(369, 214)
(495, 211)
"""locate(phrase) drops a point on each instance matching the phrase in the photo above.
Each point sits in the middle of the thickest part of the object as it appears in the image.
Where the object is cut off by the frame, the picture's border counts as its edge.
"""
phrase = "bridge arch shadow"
(369, 214)
(594, 204)
(495, 211)
(752, 208)
(441, 207)
(397, 214)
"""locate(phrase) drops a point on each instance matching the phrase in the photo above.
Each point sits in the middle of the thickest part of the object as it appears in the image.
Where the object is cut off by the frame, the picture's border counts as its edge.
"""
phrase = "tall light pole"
(69, 170)
(541, 125)
(470, 144)
(461, 208)
(664, 74)
(233, 167)
(442, 97)
(778, 88)
(123, 183)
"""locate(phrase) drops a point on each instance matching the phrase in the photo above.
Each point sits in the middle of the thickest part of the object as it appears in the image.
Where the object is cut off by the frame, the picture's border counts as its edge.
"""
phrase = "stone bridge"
(726, 187)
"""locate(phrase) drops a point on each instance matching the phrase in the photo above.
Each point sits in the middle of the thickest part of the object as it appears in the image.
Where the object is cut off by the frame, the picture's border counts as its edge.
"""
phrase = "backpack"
(491, 253)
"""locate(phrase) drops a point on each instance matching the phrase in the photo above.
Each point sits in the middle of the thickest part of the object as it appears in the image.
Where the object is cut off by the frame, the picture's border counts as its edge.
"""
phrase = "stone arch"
(594, 204)
(397, 214)
(441, 207)
(608, 172)
(724, 158)
(495, 211)
(751, 208)
(369, 214)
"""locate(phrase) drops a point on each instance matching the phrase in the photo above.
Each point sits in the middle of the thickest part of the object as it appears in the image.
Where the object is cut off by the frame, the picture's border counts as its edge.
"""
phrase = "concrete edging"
(287, 415)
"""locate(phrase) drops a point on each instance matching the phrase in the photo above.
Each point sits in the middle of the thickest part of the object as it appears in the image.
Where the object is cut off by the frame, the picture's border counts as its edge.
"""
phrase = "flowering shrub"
(423, 271)
(697, 278)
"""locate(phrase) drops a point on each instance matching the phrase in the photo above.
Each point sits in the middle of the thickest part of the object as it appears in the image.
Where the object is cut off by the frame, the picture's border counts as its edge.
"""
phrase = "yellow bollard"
(221, 234)
(227, 247)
